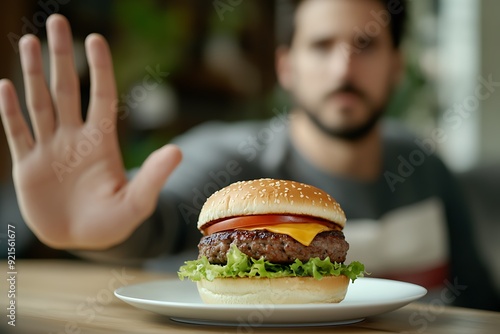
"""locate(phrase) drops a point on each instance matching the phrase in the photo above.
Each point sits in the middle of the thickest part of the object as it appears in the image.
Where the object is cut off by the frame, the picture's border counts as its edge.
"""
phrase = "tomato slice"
(262, 220)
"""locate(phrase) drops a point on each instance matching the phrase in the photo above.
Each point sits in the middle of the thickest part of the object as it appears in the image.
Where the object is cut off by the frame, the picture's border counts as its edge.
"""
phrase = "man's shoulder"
(221, 131)
(401, 142)
(413, 158)
(253, 141)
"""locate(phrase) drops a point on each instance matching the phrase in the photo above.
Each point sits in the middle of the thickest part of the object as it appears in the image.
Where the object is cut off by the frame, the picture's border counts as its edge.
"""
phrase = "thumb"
(144, 189)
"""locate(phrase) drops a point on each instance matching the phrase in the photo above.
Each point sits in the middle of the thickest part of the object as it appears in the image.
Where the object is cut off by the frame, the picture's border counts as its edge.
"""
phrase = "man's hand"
(69, 177)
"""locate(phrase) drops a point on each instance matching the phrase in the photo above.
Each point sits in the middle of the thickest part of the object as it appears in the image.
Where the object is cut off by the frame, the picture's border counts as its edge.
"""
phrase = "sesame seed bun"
(270, 196)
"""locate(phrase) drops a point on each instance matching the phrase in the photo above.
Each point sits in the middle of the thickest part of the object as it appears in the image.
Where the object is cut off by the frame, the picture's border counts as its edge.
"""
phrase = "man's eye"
(321, 46)
(368, 45)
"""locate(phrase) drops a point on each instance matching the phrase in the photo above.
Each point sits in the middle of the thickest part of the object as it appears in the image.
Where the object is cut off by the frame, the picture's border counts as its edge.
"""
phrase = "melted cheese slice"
(303, 233)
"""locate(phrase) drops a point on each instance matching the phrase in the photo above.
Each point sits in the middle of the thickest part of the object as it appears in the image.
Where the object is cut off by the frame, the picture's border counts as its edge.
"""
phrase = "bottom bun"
(283, 290)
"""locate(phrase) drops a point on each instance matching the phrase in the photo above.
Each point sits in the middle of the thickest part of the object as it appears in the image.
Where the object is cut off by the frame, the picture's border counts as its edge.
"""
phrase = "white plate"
(180, 301)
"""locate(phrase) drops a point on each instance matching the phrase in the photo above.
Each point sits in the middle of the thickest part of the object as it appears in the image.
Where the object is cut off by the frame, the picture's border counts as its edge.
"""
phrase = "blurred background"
(182, 62)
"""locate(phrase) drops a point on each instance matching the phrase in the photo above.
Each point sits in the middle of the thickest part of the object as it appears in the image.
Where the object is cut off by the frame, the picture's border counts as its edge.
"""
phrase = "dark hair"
(286, 10)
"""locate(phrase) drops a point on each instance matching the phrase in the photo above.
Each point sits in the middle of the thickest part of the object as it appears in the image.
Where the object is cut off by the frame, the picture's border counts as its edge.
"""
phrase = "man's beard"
(353, 133)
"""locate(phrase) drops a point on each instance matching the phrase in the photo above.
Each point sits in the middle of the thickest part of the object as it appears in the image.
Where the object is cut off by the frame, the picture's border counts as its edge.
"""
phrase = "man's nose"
(341, 61)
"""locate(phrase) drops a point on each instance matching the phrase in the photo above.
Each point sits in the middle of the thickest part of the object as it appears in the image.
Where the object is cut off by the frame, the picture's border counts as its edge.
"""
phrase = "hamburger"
(271, 241)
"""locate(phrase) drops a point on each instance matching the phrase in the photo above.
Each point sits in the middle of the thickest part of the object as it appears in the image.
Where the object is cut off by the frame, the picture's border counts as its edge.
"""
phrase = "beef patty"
(274, 247)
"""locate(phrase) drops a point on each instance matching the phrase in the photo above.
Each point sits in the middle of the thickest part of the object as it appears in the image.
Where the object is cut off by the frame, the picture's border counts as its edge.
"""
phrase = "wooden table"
(77, 297)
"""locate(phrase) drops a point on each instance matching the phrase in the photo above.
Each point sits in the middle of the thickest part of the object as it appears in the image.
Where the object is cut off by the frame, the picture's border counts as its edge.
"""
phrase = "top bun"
(270, 196)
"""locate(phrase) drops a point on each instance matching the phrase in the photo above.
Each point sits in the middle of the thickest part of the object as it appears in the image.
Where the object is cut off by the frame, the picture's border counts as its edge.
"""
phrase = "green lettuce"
(241, 265)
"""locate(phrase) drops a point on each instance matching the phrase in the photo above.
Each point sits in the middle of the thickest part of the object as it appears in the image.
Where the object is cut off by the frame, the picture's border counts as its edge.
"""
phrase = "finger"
(103, 88)
(64, 84)
(37, 94)
(17, 131)
(144, 189)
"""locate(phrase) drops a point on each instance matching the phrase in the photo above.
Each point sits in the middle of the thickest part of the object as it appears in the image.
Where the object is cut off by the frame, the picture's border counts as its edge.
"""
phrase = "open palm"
(69, 177)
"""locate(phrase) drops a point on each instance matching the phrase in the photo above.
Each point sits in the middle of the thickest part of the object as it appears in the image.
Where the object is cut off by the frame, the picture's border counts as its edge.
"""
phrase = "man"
(340, 65)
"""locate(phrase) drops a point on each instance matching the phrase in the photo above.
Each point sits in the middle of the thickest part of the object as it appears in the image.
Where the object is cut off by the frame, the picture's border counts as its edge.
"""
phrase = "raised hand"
(69, 177)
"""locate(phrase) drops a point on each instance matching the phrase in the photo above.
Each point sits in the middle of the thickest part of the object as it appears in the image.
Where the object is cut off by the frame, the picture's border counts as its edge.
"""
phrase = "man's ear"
(283, 66)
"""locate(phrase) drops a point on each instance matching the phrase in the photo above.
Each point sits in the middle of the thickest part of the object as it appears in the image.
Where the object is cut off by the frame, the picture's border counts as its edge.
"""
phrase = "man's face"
(342, 65)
